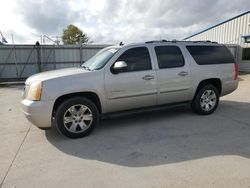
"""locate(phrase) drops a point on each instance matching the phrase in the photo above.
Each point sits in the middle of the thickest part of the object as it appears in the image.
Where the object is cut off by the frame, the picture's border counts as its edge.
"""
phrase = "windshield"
(100, 59)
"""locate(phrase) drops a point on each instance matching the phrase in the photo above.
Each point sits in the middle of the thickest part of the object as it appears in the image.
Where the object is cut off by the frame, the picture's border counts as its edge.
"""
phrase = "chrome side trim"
(178, 90)
(135, 95)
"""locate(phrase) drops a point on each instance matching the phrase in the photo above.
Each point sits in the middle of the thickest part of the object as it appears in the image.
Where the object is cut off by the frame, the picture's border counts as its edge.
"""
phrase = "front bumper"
(38, 112)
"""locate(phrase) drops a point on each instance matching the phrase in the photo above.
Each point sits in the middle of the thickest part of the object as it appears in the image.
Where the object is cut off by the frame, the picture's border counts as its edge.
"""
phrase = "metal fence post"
(54, 56)
(38, 51)
(15, 61)
(81, 62)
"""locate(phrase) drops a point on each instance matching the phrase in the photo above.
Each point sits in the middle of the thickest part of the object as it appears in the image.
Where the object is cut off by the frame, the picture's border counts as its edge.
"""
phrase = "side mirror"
(119, 66)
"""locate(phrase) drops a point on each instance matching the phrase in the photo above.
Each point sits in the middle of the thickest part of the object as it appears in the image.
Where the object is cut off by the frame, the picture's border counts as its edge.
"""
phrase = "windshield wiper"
(86, 68)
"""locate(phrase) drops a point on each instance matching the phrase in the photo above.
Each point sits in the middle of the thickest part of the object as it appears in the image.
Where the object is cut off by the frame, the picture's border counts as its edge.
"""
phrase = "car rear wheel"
(76, 117)
(206, 100)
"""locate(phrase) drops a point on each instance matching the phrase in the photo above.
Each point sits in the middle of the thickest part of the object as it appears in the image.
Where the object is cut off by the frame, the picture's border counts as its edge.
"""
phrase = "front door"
(133, 87)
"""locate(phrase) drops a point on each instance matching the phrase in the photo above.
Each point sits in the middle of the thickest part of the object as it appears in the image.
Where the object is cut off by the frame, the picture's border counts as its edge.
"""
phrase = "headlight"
(35, 91)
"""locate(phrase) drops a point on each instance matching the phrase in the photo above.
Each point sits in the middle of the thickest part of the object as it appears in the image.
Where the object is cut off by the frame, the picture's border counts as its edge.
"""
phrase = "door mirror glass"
(119, 66)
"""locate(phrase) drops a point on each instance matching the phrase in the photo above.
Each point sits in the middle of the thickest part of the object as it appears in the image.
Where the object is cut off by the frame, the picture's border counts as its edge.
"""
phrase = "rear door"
(173, 74)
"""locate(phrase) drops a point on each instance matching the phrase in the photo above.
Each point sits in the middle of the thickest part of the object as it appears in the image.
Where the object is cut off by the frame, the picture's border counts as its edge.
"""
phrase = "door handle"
(183, 73)
(148, 77)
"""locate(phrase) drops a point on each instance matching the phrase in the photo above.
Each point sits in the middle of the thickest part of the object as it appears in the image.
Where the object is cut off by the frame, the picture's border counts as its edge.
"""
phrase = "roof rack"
(155, 41)
(175, 41)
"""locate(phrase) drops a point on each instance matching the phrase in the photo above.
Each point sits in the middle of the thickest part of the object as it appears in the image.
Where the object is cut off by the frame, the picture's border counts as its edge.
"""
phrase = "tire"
(76, 117)
(206, 100)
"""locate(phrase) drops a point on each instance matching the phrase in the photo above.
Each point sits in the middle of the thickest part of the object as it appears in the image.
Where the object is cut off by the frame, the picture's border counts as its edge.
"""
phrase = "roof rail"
(154, 41)
(208, 41)
(175, 41)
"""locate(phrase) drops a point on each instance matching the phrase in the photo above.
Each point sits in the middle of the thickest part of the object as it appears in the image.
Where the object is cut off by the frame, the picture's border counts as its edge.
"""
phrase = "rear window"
(207, 55)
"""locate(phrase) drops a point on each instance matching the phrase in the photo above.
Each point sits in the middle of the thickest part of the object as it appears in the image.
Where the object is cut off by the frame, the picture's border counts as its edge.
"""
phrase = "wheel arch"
(216, 82)
(89, 95)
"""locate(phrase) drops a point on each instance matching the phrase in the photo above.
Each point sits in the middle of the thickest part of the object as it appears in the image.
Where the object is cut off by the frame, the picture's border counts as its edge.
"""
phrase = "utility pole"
(12, 37)
(3, 38)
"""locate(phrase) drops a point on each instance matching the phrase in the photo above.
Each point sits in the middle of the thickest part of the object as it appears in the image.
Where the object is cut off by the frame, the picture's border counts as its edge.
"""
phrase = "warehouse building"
(235, 33)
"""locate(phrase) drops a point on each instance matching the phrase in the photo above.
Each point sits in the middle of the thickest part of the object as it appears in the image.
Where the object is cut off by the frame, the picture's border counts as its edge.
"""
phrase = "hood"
(54, 74)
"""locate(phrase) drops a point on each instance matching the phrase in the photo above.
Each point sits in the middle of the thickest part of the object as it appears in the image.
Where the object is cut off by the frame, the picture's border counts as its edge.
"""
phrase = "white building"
(235, 33)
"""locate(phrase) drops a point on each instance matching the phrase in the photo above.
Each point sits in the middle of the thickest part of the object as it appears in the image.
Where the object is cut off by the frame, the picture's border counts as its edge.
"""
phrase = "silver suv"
(134, 76)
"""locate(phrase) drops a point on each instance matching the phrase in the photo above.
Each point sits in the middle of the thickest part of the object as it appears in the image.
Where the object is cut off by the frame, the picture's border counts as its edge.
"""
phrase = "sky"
(112, 21)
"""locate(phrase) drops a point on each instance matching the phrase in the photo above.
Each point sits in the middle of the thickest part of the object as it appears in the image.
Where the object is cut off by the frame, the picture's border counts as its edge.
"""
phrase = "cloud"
(147, 20)
(46, 16)
(111, 21)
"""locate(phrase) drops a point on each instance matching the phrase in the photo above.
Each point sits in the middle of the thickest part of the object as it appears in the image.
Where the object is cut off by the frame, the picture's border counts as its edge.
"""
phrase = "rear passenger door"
(173, 74)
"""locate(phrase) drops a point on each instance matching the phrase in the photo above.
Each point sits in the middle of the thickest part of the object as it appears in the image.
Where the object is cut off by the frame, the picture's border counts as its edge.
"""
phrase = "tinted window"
(205, 55)
(246, 54)
(137, 59)
(232, 50)
(169, 56)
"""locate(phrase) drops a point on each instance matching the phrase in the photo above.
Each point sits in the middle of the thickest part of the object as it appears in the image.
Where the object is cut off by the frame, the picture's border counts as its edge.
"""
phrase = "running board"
(143, 110)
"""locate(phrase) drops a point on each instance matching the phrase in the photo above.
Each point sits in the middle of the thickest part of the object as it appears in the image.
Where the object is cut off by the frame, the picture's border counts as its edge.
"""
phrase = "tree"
(74, 35)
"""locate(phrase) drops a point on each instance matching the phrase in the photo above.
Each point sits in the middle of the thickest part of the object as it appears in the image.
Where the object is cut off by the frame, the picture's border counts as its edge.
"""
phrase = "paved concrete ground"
(171, 148)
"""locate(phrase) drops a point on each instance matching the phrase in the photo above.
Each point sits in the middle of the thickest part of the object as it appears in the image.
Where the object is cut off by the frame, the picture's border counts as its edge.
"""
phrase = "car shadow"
(162, 137)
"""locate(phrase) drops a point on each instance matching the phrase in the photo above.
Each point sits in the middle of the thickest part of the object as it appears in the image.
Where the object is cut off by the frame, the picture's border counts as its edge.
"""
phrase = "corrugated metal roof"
(218, 24)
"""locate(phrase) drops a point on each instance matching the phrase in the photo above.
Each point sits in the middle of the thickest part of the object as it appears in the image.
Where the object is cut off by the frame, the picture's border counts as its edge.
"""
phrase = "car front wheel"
(76, 117)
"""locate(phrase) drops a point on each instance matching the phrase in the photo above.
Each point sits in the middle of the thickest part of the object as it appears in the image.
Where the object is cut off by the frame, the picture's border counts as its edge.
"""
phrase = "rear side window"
(169, 57)
(207, 55)
(137, 59)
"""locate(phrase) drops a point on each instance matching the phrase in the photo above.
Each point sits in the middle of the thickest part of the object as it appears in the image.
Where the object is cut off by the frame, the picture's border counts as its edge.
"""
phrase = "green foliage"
(74, 35)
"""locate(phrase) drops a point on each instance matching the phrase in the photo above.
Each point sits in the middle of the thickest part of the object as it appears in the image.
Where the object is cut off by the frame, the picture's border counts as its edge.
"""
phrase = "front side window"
(137, 59)
(207, 55)
(169, 57)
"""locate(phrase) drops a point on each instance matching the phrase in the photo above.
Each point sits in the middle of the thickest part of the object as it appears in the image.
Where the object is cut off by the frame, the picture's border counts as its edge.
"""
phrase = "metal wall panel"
(21, 61)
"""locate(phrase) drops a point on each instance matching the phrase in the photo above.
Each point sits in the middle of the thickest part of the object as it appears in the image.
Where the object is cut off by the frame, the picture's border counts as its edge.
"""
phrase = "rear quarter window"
(209, 55)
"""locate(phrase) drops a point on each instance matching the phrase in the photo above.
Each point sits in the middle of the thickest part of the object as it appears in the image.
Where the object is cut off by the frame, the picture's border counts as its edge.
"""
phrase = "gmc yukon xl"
(125, 78)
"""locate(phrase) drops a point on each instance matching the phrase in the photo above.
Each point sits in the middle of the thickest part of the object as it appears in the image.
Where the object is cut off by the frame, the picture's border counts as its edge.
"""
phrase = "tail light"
(236, 71)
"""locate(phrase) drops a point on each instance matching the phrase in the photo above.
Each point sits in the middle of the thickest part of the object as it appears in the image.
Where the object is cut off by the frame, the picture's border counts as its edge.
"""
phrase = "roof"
(218, 24)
